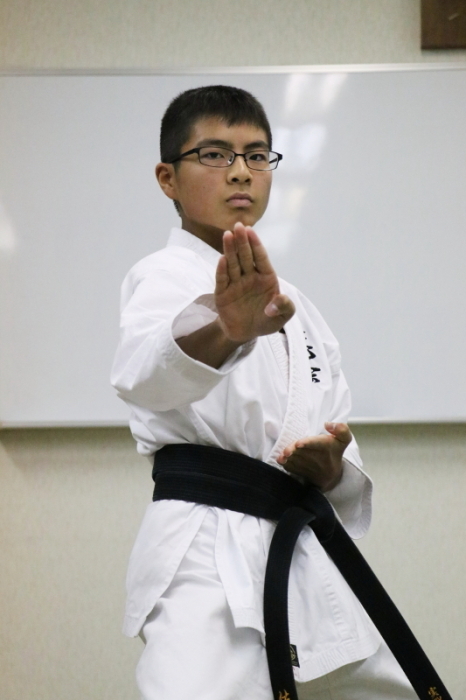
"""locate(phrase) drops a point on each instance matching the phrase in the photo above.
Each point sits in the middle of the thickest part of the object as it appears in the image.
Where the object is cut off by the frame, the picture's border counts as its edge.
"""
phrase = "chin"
(244, 217)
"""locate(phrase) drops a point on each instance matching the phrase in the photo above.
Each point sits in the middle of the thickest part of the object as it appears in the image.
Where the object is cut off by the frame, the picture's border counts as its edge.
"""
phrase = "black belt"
(224, 479)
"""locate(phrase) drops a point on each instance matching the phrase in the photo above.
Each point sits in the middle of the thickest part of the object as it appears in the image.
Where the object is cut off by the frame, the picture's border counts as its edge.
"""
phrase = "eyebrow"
(228, 144)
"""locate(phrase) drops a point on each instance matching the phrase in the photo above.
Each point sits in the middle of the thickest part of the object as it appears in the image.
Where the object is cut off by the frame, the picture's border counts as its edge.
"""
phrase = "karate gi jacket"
(264, 397)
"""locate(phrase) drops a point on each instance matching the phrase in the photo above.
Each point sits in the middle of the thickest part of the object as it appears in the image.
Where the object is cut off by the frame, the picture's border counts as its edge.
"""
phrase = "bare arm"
(209, 345)
(247, 297)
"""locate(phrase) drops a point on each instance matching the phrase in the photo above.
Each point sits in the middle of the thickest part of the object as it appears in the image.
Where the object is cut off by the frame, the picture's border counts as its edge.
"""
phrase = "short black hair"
(230, 104)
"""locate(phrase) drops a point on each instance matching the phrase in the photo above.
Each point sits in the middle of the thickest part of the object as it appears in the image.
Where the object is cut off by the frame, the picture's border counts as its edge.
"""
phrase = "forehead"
(235, 136)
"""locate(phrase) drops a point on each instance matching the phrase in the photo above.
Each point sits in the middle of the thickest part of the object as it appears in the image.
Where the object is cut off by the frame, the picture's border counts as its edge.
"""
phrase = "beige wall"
(71, 500)
(156, 33)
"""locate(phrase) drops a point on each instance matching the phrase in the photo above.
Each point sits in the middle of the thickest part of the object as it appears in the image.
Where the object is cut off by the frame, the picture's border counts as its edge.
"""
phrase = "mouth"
(240, 199)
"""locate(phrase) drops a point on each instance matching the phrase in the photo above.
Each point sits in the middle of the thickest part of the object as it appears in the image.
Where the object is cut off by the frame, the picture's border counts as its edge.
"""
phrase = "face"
(212, 200)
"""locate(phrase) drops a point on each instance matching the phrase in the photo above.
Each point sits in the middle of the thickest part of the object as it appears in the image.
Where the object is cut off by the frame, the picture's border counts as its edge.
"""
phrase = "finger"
(324, 477)
(286, 453)
(306, 450)
(261, 259)
(309, 469)
(297, 466)
(231, 255)
(281, 305)
(340, 431)
(243, 246)
(239, 227)
(314, 442)
(222, 278)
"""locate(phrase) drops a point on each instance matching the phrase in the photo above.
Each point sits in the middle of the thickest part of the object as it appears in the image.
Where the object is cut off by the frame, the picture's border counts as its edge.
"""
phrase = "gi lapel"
(295, 424)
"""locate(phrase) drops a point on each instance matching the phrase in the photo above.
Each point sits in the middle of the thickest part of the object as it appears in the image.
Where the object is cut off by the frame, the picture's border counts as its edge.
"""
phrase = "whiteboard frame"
(32, 425)
(219, 70)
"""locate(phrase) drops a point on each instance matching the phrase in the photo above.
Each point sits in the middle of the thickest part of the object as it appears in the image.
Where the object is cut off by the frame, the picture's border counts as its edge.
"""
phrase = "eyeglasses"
(217, 157)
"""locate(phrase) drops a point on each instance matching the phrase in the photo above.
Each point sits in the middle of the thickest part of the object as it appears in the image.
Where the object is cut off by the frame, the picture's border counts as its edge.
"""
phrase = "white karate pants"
(193, 651)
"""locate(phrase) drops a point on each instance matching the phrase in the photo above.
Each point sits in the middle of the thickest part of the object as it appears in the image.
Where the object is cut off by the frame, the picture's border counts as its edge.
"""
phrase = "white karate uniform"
(268, 393)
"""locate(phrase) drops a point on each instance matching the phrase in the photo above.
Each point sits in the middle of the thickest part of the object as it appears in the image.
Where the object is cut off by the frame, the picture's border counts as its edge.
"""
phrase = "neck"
(209, 234)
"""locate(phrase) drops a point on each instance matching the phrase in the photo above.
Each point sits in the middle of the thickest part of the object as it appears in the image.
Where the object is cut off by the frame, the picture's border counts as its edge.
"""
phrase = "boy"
(216, 351)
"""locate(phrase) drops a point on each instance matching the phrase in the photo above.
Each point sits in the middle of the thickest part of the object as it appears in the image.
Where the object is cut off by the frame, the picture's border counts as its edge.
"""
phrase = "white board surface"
(367, 217)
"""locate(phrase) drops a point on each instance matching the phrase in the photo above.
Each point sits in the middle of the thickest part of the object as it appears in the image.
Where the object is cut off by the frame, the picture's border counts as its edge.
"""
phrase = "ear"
(165, 174)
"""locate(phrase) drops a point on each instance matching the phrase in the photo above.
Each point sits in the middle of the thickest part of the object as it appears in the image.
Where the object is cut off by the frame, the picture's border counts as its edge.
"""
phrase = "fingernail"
(330, 426)
(271, 310)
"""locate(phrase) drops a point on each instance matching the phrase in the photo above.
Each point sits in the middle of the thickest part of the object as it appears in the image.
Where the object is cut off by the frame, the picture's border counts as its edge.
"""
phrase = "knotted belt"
(216, 477)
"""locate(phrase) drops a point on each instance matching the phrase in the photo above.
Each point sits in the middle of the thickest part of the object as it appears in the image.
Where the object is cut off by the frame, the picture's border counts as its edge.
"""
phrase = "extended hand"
(318, 459)
(247, 293)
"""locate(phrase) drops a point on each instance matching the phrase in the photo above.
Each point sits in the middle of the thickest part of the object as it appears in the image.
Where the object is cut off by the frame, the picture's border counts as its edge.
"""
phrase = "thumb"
(340, 431)
(281, 305)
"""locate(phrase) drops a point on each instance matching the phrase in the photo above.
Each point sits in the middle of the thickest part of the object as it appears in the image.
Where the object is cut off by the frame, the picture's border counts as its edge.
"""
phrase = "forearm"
(208, 345)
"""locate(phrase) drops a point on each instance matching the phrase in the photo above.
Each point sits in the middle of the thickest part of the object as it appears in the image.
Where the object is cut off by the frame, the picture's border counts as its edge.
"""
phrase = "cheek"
(265, 192)
(199, 195)
(199, 201)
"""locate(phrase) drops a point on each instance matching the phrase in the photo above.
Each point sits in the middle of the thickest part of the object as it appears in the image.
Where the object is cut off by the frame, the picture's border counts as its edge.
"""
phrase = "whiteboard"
(367, 217)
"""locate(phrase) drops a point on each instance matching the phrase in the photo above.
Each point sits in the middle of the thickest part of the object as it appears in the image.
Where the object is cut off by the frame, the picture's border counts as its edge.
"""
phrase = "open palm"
(247, 292)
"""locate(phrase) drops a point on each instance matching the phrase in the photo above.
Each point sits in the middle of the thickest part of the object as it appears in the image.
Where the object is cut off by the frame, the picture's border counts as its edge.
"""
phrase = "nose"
(238, 171)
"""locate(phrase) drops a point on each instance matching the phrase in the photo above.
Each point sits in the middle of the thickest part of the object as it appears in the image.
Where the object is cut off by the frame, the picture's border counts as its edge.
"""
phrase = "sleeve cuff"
(154, 373)
(352, 498)
(198, 314)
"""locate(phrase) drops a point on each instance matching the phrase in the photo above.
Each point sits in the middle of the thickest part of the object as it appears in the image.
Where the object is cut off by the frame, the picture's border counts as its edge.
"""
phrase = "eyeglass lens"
(223, 157)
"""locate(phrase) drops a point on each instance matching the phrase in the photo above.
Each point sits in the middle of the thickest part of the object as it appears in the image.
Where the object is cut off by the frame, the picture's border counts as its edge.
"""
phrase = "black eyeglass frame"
(243, 155)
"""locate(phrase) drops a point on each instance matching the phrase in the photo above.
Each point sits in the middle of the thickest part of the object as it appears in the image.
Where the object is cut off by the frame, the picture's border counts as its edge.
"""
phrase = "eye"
(213, 154)
(259, 156)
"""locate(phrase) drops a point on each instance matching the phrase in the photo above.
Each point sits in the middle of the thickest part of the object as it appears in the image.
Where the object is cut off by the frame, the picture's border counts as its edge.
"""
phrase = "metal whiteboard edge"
(17, 425)
(244, 70)
(406, 421)
(13, 425)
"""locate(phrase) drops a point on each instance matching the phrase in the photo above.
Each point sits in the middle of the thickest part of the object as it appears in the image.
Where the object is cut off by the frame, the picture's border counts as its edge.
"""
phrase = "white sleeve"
(150, 370)
(352, 497)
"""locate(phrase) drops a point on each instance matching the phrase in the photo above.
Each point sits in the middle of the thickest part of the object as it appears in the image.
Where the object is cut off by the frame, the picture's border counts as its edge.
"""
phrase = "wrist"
(228, 338)
(334, 481)
(209, 345)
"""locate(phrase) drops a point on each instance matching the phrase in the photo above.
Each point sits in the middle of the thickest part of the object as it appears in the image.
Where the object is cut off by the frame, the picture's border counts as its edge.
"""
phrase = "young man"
(216, 351)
